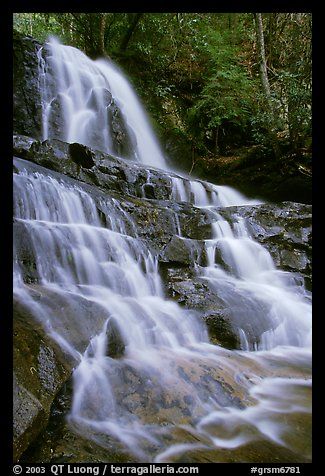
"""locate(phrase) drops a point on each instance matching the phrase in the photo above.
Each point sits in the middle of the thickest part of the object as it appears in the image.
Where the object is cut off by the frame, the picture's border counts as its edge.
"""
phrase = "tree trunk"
(216, 144)
(31, 24)
(102, 27)
(135, 20)
(265, 82)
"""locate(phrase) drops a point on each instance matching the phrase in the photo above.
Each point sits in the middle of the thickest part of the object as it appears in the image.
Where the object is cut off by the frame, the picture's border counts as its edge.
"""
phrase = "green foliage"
(38, 25)
(296, 104)
(225, 97)
(228, 94)
(288, 47)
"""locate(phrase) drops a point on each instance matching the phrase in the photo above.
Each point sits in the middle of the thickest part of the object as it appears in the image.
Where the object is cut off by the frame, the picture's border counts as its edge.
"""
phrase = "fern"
(228, 93)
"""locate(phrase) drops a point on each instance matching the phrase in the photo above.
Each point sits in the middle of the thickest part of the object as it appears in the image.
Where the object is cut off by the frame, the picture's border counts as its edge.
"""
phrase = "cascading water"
(169, 395)
(92, 103)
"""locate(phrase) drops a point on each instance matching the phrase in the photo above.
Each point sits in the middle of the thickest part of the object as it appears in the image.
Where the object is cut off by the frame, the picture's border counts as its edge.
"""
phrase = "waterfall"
(166, 392)
(91, 102)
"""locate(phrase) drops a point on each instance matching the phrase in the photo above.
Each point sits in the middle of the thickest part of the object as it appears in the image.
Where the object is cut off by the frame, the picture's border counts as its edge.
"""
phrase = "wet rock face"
(81, 155)
(123, 143)
(40, 370)
(285, 230)
(27, 109)
(193, 293)
(291, 244)
(175, 233)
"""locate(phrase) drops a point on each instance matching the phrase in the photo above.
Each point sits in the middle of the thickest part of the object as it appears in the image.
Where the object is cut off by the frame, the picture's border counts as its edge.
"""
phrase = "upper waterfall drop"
(91, 102)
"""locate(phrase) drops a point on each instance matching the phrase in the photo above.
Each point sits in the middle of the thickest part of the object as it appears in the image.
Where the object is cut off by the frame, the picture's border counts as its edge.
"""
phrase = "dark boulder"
(81, 155)
(40, 370)
(27, 107)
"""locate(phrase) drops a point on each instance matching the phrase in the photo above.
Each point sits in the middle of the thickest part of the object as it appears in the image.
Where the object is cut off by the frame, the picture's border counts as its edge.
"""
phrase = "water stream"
(84, 91)
(171, 394)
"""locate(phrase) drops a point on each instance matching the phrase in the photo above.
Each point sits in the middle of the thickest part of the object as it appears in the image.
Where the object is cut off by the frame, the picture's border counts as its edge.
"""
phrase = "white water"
(166, 395)
(81, 91)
